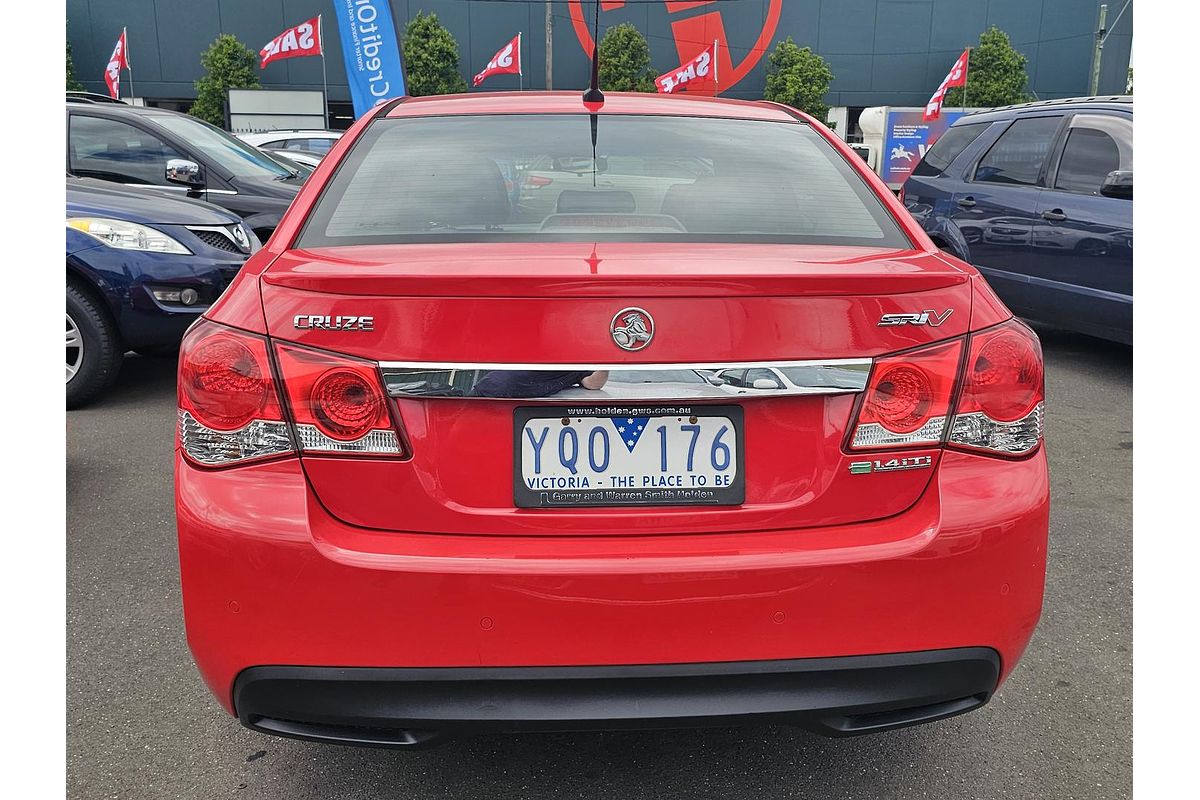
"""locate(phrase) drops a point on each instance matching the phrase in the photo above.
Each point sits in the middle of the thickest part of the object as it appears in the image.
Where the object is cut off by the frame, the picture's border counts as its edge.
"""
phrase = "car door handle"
(967, 202)
(1054, 215)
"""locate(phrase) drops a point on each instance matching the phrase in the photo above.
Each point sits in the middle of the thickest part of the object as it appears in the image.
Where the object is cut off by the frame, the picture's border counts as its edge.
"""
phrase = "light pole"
(549, 45)
(1099, 51)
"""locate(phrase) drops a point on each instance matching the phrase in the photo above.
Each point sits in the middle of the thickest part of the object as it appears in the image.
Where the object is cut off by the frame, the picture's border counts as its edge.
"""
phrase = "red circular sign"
(684, 44)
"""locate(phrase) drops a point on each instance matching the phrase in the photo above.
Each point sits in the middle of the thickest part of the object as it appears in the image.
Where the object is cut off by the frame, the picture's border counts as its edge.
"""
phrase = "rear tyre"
(93, 352)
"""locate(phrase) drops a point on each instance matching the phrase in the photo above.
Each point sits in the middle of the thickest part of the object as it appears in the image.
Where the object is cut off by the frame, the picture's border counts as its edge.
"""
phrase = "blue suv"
(1039, 197)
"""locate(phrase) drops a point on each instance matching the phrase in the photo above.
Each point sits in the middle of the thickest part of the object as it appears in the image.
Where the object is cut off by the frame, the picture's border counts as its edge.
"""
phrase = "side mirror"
(1118, 183)
(184, 172)
(764, 383)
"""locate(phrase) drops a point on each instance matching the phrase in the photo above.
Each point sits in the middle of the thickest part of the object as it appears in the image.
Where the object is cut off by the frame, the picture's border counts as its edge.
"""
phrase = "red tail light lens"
(226, 381)
(537, 181)
(345, 403)
(338, 402)
(1003, 395)
(908, 398)
(229, 408)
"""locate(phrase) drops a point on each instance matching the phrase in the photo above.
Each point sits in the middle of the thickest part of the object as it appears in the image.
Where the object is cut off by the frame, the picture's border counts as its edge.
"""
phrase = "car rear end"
(406, 509)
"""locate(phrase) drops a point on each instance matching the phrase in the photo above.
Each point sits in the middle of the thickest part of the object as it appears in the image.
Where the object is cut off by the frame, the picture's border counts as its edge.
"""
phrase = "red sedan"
(656, 412)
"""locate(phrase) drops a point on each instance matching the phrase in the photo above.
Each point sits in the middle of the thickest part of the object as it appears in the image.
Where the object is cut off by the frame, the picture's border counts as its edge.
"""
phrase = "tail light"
(1003, 397)
(338, 403)
(908, 398)
(909, 401)
(229, 409)
(537, 181)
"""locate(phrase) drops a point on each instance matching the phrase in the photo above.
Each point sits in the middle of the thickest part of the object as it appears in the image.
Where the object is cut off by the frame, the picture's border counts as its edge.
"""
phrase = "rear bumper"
(270, 578)
(412, 707)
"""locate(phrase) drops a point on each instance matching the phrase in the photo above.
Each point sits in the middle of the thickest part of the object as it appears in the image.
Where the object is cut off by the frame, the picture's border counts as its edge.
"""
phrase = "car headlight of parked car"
(127, 235)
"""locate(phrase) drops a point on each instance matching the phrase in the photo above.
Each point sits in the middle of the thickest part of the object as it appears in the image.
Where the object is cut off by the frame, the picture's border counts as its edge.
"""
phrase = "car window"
(1096, 145)
(234, 155)
(753, 375)
(733, 377)
(529, 177)
(278, 144)
(1018, 155)
(948, 147)
(319, 146)
(117, 151)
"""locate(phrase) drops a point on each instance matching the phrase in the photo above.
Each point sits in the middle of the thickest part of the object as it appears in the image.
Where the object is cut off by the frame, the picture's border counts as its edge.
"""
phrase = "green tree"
(431, 58)
(228, 64)
(625, 60)
(73, 85)
(798, 77)
(995, 74)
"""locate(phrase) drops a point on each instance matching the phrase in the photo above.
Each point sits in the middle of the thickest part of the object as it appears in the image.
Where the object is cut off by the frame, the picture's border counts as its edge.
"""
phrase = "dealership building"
(881, 52)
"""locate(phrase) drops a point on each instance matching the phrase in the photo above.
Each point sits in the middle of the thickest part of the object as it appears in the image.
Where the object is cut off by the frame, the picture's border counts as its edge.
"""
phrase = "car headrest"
(459, 191)
(596, 201)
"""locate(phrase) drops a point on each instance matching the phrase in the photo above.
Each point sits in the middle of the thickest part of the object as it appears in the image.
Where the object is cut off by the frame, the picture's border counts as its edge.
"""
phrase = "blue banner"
(372, 52)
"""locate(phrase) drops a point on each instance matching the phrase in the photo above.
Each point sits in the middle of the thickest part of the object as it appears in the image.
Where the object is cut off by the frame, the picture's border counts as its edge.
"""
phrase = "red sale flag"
(957, 77)
(302, 40)
(701, 70)
(507, 61)
(118, 61)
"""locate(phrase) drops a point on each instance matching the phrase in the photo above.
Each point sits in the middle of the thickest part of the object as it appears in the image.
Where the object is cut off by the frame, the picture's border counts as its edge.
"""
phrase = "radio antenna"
(593, 94)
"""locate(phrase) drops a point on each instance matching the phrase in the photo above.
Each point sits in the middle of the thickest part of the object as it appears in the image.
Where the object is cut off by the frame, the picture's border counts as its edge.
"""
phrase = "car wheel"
(93, 352)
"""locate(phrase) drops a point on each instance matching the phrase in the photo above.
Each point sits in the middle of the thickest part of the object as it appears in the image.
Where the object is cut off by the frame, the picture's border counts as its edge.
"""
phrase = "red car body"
(356, 598)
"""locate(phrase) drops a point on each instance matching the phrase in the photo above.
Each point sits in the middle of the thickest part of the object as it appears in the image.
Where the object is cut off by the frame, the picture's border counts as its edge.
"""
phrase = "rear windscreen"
(577, 177)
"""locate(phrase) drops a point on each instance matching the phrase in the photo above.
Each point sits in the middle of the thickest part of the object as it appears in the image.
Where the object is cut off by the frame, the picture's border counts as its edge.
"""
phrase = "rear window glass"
(1018, 155)
(596, 178)
(948, 147)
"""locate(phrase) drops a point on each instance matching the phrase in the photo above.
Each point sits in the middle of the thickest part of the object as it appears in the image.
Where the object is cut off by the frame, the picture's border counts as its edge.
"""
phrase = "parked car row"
(1039, 198)
(162, 210)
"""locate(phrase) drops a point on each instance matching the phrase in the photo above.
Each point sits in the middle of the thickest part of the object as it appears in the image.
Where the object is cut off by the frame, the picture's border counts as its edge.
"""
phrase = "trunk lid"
(551, 305)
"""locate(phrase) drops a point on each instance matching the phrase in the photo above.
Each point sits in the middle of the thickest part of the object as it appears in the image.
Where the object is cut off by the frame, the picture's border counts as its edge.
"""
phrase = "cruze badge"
(324, 322)
(632, 329)
(930, 318)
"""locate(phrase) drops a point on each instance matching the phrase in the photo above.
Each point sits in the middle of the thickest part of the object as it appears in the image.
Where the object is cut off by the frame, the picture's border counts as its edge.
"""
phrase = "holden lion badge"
(632, 329)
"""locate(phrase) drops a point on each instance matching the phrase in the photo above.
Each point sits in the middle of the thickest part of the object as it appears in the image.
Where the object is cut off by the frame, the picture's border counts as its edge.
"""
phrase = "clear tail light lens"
(1003, 398)
(229, 410)
(338, 403)
(907, 402)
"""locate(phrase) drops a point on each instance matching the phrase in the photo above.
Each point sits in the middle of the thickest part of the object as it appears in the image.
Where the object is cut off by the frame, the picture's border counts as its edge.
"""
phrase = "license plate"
(622, 456)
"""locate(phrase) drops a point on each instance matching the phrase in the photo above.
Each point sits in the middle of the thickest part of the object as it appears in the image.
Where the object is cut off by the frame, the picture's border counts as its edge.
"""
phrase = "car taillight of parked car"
(991, 403)
(231, 410)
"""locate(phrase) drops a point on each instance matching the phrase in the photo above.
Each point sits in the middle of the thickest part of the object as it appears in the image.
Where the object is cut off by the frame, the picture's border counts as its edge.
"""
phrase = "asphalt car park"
(141, 724)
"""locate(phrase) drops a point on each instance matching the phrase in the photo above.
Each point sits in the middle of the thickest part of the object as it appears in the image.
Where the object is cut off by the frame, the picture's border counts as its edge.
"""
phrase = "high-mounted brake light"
(229, 410)
(908, 398)
(1003, 397)
(338, 403)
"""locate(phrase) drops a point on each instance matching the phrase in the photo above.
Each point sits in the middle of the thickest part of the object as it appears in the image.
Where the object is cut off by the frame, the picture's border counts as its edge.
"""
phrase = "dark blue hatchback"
(141, 267)
(1039, 197)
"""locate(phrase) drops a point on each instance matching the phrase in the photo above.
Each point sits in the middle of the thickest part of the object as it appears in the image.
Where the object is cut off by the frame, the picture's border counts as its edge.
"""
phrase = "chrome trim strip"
(714, 366)
(532, 382)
